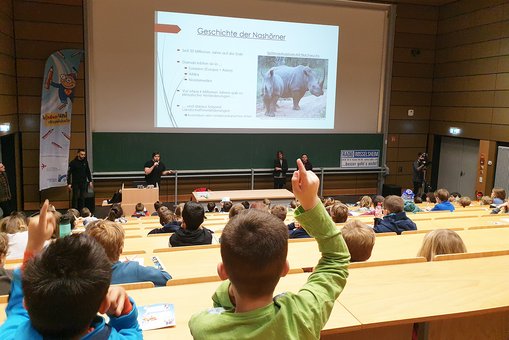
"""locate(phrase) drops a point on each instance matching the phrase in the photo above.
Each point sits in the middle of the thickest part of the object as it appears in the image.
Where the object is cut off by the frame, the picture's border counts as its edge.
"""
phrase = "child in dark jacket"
(168, 221)
(191, 233)
(395, 219)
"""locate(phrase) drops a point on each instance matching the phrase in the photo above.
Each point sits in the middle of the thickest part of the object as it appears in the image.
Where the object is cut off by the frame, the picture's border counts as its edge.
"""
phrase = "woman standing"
(305, 160)
(280, 170)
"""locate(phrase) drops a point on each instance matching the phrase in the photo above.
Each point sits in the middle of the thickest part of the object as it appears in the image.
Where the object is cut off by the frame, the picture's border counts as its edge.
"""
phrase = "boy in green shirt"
(254, 247)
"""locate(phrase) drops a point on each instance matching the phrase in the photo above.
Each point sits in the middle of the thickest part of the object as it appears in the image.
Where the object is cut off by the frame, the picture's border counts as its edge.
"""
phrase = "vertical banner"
(58, 90)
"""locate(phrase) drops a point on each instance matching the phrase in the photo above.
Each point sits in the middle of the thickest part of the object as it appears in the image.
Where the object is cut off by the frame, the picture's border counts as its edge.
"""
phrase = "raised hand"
(305, 186)
(40, 229)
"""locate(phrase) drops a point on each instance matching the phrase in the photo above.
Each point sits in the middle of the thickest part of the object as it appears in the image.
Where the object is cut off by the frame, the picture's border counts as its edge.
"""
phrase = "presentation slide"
(223, 72)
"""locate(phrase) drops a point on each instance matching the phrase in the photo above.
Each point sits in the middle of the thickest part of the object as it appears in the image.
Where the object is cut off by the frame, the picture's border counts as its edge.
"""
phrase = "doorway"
(458, 165)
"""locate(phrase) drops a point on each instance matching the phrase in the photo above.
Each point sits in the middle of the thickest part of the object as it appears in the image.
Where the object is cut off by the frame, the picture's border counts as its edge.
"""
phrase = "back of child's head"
(13, 224)
(394, 204)
(486, 200)
(110, 235)
(227, 206)
(235, 210)
(442, 195)
(211, 207)
(254, 246)
(279, 211)
(193, 215)
(338, 212)
(259, 205)
(73, 212)
(498, 193)
(360, 240)
(430, 197)
(267, 202)
(65, 285)
(246, 204)
(178, 210)
(365, 202)
(378, 199)
(167, 216)
(328, 201)
(116, 211)
(139, 207)
(293, 204)
(4, 248)
(417, 200)
(85, 212)
(157, 205)
(465, 201)
(441, 241)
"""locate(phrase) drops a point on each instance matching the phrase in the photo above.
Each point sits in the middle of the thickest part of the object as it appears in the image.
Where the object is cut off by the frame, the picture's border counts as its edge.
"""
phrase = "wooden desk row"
(463, 299)
(305, 254)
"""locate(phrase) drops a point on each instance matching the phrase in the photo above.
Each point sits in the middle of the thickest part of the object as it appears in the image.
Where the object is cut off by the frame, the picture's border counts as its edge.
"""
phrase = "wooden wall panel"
(471, 81)
(41, 28)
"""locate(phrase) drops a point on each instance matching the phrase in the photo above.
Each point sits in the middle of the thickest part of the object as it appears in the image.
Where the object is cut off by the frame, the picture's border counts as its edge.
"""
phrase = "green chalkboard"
(129, 151)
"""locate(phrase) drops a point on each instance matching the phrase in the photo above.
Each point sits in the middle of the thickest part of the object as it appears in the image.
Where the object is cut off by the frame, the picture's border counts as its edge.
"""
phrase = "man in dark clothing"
(5, 192)
(154, 168)
(191, 234)
(418, 168)
(78, 179)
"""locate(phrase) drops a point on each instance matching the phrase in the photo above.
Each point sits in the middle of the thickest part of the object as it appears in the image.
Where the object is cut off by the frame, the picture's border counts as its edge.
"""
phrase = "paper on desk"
(156, 316)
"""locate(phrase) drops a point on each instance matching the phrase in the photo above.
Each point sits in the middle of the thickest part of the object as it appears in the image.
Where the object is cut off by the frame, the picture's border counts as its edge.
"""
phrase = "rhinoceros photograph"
(291, 87)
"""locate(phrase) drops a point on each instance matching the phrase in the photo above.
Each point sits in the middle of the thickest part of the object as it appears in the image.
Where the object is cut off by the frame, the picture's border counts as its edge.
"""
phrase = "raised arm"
(329, 277)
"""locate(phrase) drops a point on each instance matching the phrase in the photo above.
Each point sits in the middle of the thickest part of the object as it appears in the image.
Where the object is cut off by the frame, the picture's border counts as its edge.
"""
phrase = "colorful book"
(156, 316)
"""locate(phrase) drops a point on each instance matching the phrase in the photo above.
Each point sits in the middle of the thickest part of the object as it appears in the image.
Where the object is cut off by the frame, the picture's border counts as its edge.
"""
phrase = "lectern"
(133, 196)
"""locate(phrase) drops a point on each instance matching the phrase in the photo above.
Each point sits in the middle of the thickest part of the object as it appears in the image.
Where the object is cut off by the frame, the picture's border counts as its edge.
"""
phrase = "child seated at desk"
(338, 212)
(169, 222)
(235, 210)
(59, 290)
(191, 233)
(86, 216)
(498, 196)
(17, 231)
(360, 240)
(111, 236)
(140, 211)
(465, 201)
(395, 219)
(5, 275)
(441, 241)
(253, 250)
(279, 211)
(442, 198)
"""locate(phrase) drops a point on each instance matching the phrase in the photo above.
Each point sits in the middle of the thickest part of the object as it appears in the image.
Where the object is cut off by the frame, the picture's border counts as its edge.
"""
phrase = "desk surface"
(191, 299)
(305, 254)
(242, 195)
(427, 291)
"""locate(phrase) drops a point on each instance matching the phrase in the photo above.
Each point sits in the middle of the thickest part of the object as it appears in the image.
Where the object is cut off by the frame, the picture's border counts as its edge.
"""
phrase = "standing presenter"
(280, 170)
(154, 169)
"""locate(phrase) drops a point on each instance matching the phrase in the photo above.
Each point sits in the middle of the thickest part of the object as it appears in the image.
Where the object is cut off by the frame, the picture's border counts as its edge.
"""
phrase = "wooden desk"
(132, 196)
(431, 291)
(305, 254)
(243, 195)
(193, 298)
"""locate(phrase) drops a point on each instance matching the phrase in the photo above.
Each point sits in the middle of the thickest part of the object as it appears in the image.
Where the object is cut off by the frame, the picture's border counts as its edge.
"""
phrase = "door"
(502, 171)
(458, 165)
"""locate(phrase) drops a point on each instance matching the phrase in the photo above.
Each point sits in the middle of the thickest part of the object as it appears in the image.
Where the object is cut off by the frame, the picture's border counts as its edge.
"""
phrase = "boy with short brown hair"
(111, 236)
(395, 219)
(339, 212)
(360, 240)
(279, 211)
(442, 197)
(253, 249)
